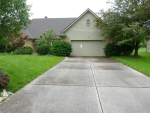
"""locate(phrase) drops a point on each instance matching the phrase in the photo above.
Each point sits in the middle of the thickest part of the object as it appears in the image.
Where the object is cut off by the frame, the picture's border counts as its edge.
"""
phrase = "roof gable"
(88, 10)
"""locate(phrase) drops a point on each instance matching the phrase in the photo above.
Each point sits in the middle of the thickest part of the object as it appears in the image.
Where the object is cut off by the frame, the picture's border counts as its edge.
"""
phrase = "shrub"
(10, 48)
(18, 51)
(2, 48)
(26, 50)
(43, 49)
(4, 80)
(3, 43)
(126, 50)
(112, 49)
(61, 48)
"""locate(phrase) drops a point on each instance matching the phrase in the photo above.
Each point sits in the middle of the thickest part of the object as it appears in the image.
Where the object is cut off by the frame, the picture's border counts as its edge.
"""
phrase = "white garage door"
(88, 48)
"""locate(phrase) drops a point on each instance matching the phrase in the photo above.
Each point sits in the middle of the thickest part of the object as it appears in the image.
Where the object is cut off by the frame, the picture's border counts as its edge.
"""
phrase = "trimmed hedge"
(112, 49)
(61, 48)
(24, 50)
(43, 49)
(27, 50)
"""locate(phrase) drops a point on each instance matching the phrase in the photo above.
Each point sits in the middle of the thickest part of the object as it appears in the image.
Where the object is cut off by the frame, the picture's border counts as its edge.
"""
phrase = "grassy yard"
(22, 69)
(141, 64)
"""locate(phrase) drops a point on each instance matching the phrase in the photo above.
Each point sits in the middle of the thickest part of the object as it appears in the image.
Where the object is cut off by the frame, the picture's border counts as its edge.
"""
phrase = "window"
(88, 22)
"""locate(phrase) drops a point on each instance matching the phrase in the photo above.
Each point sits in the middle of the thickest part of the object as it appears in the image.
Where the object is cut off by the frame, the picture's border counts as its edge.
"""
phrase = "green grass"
(141, 64)
(22, 69)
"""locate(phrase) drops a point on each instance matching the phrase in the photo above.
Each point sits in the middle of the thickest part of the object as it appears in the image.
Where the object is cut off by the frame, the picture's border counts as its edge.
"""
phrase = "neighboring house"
(80, 32)
(148, 45)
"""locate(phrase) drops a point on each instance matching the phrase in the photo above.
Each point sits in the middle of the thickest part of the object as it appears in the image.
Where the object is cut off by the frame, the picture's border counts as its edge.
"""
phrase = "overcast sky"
(64, 8)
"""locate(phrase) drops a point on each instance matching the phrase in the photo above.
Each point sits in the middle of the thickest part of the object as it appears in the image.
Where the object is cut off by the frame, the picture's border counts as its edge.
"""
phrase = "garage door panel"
(87, 48)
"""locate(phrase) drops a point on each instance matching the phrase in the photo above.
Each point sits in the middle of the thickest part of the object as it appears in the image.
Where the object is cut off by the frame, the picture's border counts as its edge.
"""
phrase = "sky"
(64, 8)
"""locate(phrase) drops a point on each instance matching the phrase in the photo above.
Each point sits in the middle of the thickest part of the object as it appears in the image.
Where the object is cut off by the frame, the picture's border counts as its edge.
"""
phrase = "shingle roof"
(38, 26)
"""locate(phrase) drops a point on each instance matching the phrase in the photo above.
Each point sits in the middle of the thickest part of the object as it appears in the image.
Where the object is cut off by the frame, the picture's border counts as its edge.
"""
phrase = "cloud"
(64, 8)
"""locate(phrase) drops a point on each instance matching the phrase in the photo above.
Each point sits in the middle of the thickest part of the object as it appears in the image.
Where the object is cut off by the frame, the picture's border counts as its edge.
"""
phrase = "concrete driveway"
(84, 85)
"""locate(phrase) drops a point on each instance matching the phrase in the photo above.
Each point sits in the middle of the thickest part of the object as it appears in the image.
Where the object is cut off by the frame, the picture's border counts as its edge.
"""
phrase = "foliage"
(127, 22)
(16, 41)
(141, 64)
(3, 43)
(14, 17)
(126, 50)
(18, 52)
(43, 49)
(46, 38)
(26, 50)
(143, 43)
(10, 48)
(112, 49)
(43, 43)
(2, 48)
(20, 40)
(61, 48)
(4, 80)
(22, 69)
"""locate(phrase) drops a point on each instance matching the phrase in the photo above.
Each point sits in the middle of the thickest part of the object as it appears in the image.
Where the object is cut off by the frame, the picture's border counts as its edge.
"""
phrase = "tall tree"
(128, 21)
(14, 17)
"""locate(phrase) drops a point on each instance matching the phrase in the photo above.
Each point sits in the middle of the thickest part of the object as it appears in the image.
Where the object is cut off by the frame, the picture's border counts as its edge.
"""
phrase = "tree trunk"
(136, 48)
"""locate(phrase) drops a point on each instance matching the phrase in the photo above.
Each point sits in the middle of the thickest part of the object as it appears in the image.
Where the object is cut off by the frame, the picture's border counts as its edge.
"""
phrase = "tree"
(14, 17)
(15, 41)
(3, 43)
(46, 38)
(127, 22)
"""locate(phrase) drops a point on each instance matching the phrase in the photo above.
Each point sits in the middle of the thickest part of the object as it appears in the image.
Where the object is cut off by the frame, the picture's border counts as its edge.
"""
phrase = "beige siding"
(65, 39)
(79, 31)
(85, 40)
(30, 43)
(148, 45)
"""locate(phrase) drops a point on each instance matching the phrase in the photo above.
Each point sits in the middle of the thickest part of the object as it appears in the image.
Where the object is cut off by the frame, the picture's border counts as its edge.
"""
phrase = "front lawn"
(141, 64)
(22, 69)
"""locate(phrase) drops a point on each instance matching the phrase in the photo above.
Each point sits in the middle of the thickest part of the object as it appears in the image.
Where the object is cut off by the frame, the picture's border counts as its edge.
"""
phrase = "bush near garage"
(112, 49)
(61, 48)
(43, 49)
